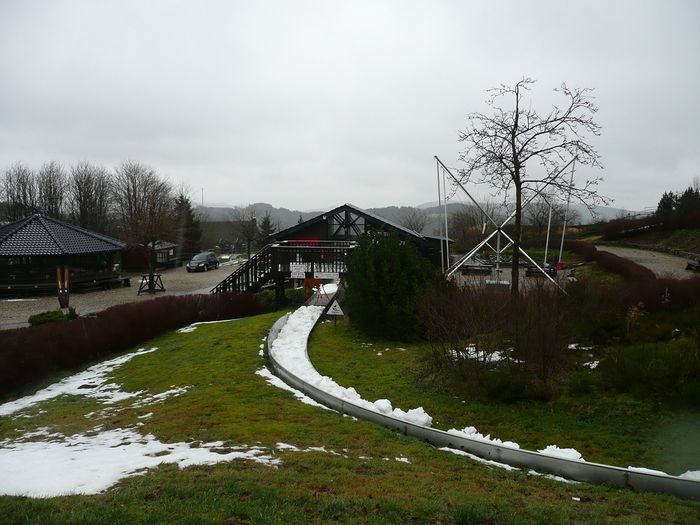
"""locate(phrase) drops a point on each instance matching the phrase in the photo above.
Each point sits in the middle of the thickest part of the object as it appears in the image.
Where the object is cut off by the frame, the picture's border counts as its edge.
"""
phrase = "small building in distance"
(165, 256)
(34, 249)
(348, 222)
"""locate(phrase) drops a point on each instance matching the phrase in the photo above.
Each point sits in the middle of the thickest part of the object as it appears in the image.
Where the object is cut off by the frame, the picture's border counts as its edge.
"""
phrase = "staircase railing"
(274, 261)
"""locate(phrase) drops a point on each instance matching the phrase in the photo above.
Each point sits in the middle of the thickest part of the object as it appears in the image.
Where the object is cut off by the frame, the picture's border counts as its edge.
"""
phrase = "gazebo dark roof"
(42, 235)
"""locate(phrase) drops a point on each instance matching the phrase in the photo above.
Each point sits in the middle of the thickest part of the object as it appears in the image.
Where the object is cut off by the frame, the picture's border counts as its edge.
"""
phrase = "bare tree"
(89, 192)
(144, 206)
(19, 190)
(500, 149)
(246, 225)
(537, 213)
(415, 220)
(51, 186)
(466, 224)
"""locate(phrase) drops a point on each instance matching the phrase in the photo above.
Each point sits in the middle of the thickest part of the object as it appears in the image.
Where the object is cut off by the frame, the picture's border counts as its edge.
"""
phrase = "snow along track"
(637, 479)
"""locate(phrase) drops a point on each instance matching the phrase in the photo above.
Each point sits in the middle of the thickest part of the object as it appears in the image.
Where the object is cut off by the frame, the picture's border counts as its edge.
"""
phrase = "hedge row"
(29, 355)
(641, 284)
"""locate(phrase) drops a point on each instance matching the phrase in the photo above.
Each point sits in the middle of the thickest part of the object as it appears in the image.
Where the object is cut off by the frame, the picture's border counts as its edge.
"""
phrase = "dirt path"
(662, 264)
(14, 313)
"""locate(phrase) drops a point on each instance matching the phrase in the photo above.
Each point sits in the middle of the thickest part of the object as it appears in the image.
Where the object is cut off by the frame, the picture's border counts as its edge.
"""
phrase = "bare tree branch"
(501, 150)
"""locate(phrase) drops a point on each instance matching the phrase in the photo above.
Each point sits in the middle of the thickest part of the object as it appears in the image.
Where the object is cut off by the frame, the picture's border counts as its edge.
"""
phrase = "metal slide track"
(577, 470)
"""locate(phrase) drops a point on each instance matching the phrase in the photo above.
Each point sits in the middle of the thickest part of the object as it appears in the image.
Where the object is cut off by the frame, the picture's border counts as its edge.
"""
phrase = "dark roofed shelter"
(39, 253)
(318, 249)
(348, 222)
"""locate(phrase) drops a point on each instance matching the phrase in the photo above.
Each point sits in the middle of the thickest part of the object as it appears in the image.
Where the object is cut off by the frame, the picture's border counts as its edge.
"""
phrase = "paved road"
(662, 264)
(14, 313)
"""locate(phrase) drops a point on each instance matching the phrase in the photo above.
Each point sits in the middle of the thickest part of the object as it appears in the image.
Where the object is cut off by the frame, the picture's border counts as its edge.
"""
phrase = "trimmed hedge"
(28, 355)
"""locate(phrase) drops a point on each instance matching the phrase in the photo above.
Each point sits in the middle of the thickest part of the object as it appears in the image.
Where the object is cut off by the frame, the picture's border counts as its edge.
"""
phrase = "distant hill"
(284, 218)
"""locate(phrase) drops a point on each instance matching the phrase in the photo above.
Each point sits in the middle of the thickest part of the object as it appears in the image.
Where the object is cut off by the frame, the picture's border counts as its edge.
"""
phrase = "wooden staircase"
(272, 264)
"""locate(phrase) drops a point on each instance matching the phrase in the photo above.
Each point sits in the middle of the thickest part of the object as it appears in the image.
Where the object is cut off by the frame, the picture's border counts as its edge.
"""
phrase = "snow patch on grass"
(552, 477)
(478, 459)
(90, 383)
(192, 327)
(91, 463)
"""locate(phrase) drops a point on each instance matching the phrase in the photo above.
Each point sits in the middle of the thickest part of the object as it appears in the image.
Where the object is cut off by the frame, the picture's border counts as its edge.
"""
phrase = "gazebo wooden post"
(62, 281)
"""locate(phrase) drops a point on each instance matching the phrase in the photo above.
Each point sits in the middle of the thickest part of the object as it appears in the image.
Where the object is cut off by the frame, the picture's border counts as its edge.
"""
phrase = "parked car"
(202, 262)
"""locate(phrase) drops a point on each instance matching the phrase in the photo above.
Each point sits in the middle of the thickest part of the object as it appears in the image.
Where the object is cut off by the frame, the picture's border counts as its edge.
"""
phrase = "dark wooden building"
(347, 223)
(317, 249)
(33, 249)
(165, 255)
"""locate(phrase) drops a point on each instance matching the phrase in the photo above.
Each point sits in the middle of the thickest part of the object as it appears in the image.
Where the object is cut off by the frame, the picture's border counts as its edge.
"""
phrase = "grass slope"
(614, 429)
(227, 401)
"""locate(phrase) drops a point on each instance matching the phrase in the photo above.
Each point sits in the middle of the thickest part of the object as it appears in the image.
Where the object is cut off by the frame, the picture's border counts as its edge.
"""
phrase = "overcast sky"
(310, 104)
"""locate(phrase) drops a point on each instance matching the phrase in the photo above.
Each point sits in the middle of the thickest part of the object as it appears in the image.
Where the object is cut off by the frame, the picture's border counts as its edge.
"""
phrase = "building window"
(346, 225)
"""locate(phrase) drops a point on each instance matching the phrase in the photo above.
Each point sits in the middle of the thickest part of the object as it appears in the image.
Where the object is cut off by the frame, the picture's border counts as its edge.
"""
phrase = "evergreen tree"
(666, 207)
(688, 208)
(189, 232)
(266, 228)
(386, 279)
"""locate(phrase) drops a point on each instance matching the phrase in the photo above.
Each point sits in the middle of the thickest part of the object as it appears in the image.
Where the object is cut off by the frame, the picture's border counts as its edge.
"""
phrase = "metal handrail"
(596, 473)
(274, 257)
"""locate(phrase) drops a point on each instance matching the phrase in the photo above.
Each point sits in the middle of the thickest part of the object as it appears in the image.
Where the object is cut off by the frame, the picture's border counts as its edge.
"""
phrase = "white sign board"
(297, 270)
(335, 309)
(326, 275)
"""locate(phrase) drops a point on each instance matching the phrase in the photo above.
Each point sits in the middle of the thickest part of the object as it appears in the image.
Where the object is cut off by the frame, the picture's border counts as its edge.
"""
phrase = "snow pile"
(90, 383)
(289, 350)
(591, 364)
(89, 464)
(643, 470)
(564, 453)
(471, 433)
(328, 289)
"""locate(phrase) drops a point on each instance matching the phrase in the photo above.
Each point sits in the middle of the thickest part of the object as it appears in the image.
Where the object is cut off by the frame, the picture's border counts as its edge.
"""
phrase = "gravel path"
(662, 264)
(14, 313)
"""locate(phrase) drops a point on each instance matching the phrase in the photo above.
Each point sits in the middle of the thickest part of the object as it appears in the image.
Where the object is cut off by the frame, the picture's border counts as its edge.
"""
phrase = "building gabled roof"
(42, 235)
(351, 207)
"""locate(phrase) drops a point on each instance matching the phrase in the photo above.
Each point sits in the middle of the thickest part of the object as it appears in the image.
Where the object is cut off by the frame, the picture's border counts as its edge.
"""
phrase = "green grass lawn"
(605, 428)
(363, 484)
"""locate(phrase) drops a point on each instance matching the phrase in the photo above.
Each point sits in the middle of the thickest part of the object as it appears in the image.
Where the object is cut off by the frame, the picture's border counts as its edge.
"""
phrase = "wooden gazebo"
(39, 253)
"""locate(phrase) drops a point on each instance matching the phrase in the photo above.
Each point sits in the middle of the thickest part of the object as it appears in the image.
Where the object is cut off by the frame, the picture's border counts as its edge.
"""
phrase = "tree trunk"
(151, 251)
(515, 270)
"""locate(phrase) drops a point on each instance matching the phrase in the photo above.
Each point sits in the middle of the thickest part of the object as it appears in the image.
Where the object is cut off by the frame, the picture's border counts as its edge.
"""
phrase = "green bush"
(669, 370)
(52, 316)
(510, 386)
(292, 297)
(386, 278)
